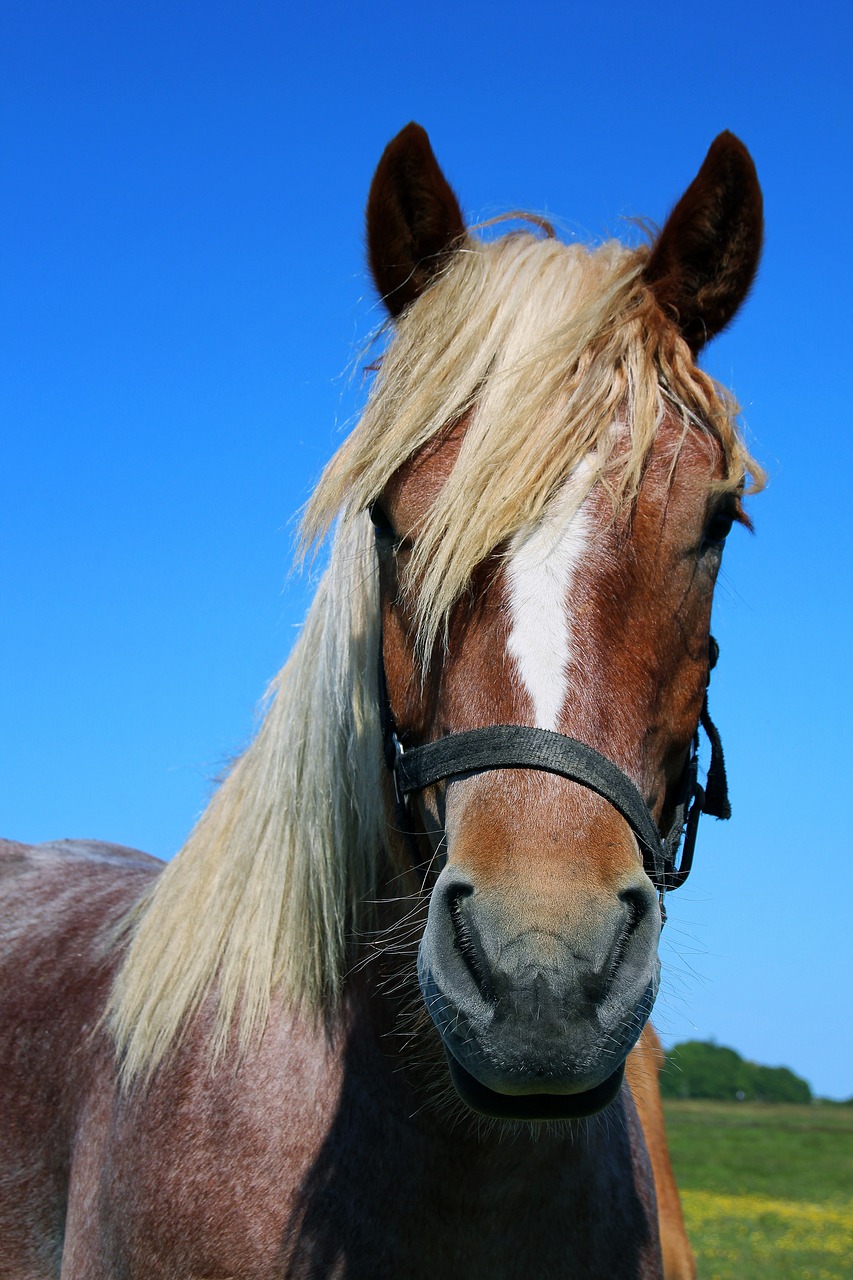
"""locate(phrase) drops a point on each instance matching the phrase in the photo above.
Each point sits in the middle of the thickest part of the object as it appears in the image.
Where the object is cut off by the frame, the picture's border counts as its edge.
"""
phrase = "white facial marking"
(542, 565)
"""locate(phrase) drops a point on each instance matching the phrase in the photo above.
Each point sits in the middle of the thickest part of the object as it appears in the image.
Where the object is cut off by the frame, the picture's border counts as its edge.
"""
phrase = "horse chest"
(381, 1220)
(336, 1180)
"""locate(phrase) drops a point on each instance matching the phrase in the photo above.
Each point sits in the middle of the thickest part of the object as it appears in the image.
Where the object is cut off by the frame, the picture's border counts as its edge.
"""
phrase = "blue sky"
(184, 303)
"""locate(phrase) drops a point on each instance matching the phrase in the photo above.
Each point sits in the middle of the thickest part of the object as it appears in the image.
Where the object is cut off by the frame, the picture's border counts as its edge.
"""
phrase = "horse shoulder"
(58, 902)
(200, 1169)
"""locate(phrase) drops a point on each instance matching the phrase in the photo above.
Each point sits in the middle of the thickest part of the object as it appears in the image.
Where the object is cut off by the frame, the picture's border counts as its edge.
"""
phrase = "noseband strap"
(513, 746)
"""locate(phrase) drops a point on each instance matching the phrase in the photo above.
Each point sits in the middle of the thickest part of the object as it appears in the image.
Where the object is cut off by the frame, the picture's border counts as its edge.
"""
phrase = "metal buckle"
(399, 752)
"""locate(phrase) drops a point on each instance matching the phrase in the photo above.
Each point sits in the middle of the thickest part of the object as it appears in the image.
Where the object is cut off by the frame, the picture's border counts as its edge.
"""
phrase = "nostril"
(465, 937)
(636, 903)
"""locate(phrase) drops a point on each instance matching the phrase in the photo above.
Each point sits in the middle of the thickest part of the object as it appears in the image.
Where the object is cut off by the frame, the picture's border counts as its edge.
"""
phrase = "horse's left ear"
(704, 261)
(413, 219)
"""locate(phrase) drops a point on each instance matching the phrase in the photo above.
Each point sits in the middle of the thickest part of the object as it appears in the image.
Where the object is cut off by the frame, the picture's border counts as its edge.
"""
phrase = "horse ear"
(704, 261)
(413, 219)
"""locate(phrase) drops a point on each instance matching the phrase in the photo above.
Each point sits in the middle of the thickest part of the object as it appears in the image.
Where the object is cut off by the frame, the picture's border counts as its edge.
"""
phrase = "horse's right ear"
(413, 219)
(704, 261)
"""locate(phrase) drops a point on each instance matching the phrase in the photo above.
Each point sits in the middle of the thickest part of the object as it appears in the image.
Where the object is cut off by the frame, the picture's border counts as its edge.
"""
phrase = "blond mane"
(544, 346)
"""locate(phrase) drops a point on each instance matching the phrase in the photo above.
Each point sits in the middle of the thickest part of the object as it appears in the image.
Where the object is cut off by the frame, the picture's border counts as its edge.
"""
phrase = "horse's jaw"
(532, 1108)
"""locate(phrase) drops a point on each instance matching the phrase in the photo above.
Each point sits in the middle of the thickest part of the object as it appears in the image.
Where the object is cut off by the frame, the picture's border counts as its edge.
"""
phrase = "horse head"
(582, 606)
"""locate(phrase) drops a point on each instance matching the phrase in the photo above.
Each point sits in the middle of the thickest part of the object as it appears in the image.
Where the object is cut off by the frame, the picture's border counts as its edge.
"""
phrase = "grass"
(767, 1190)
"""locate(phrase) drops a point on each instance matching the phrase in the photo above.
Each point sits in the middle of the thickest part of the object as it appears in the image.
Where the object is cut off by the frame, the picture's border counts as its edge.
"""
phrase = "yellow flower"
(730, 1232)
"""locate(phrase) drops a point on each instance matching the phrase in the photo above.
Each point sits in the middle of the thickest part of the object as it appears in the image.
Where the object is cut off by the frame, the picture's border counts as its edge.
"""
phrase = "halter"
(515, 746)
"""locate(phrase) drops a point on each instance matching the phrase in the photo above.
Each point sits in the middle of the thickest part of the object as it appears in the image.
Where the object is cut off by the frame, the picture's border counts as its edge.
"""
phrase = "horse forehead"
(541, 568)
(565, 578)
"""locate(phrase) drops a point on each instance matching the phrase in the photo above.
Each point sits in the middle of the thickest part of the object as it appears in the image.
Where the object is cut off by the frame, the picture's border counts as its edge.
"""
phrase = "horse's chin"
(532, 1107)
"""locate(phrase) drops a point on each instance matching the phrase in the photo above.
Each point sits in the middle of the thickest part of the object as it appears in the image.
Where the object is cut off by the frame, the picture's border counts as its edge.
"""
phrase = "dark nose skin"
(522, 1007)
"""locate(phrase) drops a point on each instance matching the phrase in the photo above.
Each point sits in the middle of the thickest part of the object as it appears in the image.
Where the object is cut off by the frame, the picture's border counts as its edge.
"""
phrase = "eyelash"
(383, 528)
(720, 521)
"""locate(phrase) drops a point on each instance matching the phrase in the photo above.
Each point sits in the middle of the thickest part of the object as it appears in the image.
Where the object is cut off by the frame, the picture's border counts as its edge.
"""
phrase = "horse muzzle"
(537, 1022)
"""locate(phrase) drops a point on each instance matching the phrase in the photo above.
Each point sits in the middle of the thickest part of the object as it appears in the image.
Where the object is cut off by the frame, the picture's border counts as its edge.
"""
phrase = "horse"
(373, 1019)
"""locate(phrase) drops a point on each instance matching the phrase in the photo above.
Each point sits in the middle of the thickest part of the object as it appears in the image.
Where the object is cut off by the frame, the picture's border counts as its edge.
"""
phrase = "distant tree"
(779, 1084)
(697, 1069)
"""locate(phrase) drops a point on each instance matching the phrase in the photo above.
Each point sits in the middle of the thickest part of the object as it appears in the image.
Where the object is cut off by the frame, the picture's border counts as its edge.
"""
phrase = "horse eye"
(384, 529)
(720, 524)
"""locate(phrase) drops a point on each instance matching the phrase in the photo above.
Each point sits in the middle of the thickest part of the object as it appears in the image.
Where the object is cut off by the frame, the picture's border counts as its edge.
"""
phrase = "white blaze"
(542, 566)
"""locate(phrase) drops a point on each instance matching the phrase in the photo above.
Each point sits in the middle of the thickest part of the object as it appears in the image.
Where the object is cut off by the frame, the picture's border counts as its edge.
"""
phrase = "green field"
(767, 1190)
